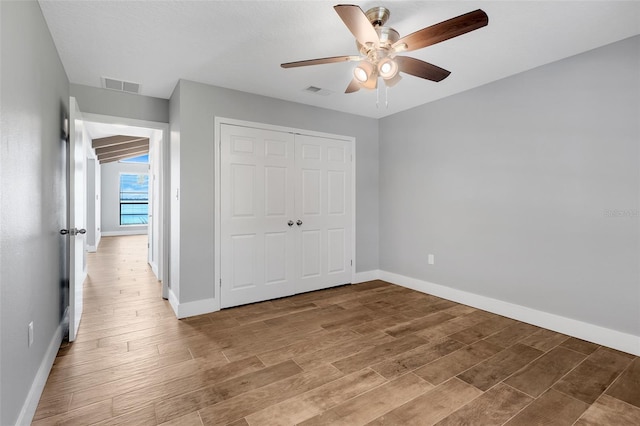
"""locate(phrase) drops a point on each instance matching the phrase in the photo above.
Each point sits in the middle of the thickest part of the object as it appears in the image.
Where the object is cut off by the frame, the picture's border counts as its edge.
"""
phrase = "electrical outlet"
(30, 332)
(431, 259)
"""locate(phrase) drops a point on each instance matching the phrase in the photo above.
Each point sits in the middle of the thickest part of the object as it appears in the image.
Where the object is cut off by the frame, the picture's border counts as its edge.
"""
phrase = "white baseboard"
(190, 309)
(33, 397)
(603, 336)
(93, 249)
(124, 232)
(362, 277)
(154, 269)
(85, 274)
(199, 307)
(173, 301)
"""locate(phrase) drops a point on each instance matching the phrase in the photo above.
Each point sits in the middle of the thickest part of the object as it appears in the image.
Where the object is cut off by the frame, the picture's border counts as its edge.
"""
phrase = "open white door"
(77, 216)
(155, 207)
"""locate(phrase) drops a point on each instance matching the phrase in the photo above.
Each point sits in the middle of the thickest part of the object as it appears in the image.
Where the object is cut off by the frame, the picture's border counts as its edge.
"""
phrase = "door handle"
(290, 223)
(299, 222)
(73, 231)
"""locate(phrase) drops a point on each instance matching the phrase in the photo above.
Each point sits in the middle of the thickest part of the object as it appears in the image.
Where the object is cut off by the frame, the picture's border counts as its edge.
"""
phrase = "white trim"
(353, 208)
(85, 274)
(218, 121)
(363, 277)
(93, 249)
(35, 392)
(284, 129)
(190, 309)
(217, 278)
(594, 333)
(173, 301)
(124, 232)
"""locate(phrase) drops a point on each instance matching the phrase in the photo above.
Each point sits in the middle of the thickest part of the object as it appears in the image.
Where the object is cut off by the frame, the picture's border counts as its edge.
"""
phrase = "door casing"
(162, 215)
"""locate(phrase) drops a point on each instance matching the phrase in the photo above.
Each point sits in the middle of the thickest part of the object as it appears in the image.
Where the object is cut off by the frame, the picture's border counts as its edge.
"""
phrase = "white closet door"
(257, 202)
(323, 211)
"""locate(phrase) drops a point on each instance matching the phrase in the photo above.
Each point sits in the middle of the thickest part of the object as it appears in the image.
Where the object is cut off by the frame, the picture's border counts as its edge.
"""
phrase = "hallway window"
(134, 199)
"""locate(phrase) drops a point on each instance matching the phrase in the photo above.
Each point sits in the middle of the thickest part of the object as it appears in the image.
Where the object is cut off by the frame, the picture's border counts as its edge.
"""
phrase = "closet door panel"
(323, 167)
(257, 202)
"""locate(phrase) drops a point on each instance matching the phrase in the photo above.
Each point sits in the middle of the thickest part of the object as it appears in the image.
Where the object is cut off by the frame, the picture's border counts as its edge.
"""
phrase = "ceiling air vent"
(318, 91)
(121, 86)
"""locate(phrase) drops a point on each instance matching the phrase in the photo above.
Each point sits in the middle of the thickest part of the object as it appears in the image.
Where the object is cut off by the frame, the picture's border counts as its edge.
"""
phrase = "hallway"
(123, 321)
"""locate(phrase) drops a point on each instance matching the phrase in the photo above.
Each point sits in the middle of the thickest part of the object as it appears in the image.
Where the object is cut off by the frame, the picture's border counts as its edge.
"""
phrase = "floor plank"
(316, 401)
(542, 373)
(366, 407)
(552, 408)
(627, 387)
(432, 406)
(590, 379)
(494, 407)
(610, 411)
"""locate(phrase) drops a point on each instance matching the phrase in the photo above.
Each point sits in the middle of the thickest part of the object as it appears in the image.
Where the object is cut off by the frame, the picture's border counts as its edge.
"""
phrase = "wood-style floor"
(370, 353)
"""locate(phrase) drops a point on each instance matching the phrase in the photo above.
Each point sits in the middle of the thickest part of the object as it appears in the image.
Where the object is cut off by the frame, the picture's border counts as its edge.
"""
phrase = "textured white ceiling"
(240, 44)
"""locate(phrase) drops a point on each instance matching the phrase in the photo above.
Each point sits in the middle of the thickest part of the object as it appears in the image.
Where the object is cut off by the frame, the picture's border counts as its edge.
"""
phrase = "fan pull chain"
(386, 96)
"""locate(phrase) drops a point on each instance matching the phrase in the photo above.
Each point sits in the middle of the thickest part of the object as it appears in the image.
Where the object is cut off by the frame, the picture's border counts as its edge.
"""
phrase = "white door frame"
(218, 122)
(163, 215)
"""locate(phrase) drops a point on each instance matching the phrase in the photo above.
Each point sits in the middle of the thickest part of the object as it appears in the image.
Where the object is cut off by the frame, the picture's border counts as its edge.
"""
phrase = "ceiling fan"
(379, 46)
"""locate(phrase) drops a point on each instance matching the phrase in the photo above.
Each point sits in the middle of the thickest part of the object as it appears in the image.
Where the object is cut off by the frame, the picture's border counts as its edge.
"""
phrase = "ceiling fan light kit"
(379, 46)
(388, 68)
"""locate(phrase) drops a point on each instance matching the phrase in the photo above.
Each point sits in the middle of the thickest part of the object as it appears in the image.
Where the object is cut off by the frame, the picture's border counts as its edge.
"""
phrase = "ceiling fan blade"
(358, 23)
(319, 61)
(421, 69)
(390, 82)
(443, 31)
(354, 86)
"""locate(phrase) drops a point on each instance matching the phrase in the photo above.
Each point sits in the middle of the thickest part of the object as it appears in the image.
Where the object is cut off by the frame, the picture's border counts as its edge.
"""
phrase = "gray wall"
(120, 104)
(110, 188)
(199, 104)
(35, 92)
(525, 190)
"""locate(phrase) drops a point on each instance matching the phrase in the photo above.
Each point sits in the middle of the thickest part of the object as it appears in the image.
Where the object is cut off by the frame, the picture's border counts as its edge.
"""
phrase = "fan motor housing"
(378, 16)
(387, 36)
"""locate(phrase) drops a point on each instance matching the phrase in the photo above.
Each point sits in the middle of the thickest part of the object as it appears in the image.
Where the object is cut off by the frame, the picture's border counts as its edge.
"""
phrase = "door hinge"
(351, 262)
(220, 282)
